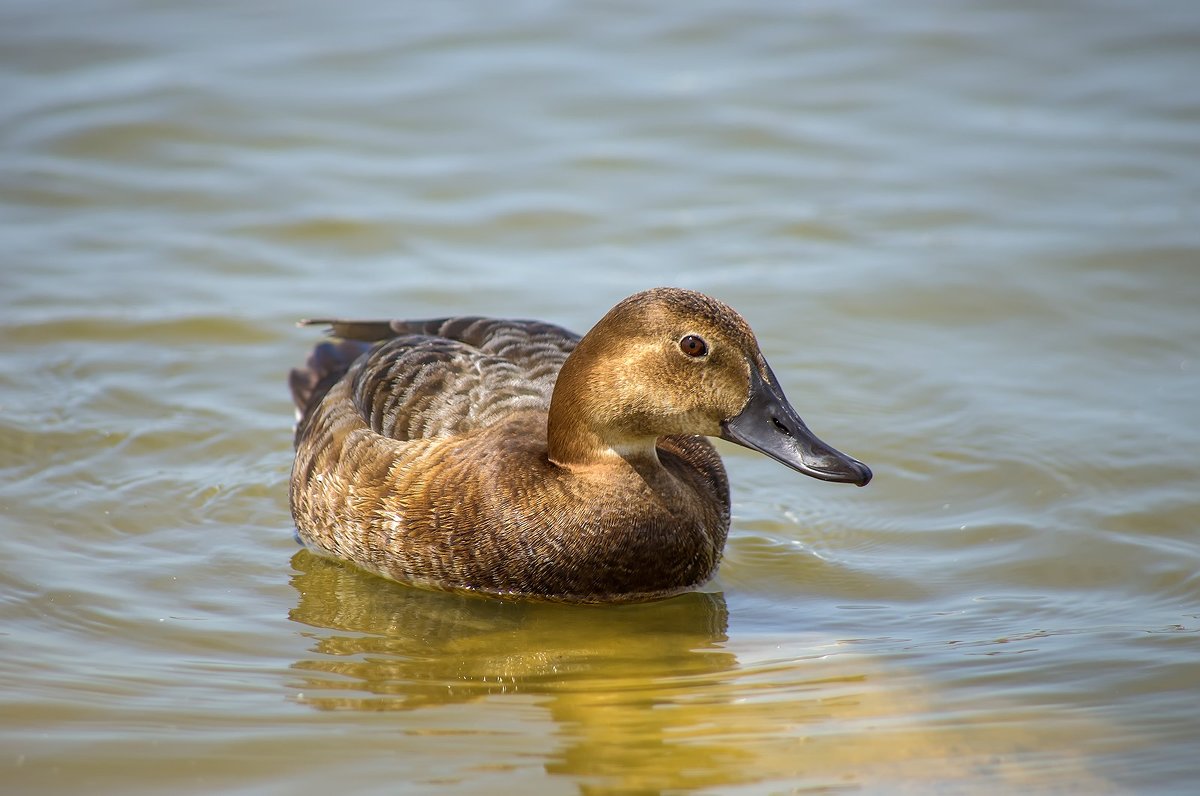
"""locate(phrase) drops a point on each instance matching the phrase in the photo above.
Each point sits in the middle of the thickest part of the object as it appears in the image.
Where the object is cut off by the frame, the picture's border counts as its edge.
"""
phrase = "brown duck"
(515, 458)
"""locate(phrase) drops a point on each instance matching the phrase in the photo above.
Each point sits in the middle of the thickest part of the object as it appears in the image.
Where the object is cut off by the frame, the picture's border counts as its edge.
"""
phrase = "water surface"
(967, 236)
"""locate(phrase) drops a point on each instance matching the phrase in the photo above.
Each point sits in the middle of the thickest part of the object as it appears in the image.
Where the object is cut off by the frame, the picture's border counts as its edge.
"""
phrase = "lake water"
(967, 235)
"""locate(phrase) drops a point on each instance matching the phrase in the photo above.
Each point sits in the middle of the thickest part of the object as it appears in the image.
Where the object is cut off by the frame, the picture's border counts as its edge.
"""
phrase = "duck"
(518, 460)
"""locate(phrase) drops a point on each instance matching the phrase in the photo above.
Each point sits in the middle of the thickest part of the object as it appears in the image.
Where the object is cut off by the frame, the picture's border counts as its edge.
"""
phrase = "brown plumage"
(515, 458)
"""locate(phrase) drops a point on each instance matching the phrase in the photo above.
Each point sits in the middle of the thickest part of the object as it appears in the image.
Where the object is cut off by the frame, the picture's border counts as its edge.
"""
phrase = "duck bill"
(769, 424)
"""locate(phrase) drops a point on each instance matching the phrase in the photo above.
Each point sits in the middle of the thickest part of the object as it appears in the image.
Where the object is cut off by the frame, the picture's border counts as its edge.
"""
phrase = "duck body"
(514, 458)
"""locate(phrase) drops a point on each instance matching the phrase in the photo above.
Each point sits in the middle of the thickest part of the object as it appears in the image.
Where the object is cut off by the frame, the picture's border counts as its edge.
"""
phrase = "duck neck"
(584, 426)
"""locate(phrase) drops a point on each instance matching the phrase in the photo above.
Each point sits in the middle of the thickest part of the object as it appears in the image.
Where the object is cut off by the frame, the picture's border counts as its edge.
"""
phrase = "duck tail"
(327, 363)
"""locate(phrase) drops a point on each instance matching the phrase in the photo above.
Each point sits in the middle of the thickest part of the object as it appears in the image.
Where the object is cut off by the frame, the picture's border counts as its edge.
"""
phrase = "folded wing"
(435, 378)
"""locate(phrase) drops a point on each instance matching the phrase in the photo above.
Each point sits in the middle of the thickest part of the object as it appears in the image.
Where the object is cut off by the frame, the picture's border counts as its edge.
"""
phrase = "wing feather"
(447, 376)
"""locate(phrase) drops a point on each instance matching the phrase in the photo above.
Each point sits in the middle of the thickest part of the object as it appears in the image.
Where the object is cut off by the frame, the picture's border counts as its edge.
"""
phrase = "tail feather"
(328, 362)
(367, 331)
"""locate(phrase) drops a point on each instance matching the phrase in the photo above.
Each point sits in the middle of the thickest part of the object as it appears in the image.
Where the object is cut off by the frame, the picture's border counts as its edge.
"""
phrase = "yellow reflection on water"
(652, 698)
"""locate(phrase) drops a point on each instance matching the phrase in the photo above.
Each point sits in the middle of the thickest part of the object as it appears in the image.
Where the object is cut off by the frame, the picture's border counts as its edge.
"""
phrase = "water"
(967, 236)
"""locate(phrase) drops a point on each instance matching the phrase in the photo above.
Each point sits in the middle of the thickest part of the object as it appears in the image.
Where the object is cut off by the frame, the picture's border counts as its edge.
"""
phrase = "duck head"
(671, 361)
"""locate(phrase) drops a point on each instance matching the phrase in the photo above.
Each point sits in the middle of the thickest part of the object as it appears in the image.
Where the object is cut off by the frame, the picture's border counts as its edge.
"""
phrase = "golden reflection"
(408, 648)
(650, 698)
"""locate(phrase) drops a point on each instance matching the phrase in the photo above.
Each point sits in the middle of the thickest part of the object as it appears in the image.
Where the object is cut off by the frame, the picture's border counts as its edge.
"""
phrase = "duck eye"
(693, 345)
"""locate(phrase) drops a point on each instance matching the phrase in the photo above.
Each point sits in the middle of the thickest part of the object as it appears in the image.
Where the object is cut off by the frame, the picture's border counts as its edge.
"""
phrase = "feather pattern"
(517, 458)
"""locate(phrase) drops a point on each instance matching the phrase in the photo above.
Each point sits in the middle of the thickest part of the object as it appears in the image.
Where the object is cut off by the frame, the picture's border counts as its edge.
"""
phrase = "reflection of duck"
(651, 698)
(400, 649)
(512, 457)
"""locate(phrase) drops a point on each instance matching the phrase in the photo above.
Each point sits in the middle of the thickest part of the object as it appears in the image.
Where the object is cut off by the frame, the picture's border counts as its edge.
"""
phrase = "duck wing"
(434, 378)
(531, 344)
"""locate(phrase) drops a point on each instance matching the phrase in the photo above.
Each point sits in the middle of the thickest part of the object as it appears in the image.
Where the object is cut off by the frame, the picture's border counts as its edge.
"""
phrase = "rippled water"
(967, 235)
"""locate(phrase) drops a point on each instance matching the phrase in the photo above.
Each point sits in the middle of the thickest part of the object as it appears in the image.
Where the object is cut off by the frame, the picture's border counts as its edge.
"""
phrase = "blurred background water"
(968, 238)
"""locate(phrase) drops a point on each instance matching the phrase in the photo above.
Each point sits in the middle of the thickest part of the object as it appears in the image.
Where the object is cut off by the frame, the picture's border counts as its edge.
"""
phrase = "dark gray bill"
(769, 424)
